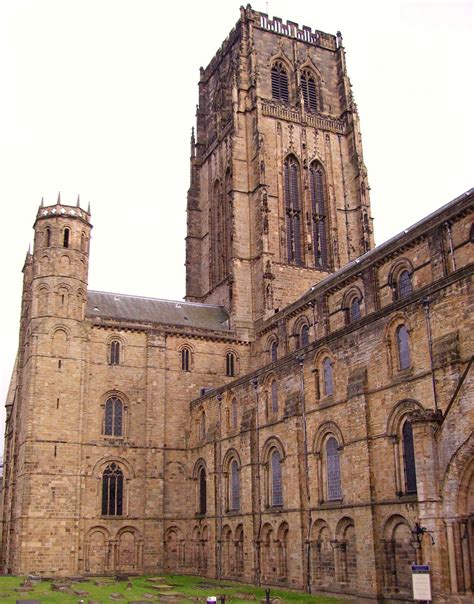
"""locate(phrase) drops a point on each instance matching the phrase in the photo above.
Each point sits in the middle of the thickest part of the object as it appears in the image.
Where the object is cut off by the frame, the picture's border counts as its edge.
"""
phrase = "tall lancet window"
(308, 88)
(293, 211)
(279, 83)
(318, 215)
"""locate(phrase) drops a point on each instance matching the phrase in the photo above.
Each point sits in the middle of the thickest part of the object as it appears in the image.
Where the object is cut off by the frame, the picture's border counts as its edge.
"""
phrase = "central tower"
(279, 195)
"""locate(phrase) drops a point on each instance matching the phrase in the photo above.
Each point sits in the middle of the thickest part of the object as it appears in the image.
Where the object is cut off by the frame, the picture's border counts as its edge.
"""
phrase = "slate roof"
(153, 310)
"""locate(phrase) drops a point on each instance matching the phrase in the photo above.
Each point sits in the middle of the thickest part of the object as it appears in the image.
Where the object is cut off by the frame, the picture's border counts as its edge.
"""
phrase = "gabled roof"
(153, 310)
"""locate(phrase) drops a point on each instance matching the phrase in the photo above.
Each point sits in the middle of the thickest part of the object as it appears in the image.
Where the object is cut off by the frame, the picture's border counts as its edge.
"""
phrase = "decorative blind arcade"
(279, 83)
(293, 211)
(318, 215)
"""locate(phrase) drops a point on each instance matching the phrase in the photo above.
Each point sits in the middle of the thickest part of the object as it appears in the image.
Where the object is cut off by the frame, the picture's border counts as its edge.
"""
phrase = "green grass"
(192, 589)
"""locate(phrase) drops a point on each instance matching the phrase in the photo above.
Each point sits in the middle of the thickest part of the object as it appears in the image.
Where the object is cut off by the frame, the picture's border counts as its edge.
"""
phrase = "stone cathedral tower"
(279, 195)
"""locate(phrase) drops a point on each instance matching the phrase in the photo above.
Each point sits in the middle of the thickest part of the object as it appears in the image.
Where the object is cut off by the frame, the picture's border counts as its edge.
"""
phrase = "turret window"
(66, 237)
(185, 359)
(279, 83)
(113, 421)
(293, 211)
(114, 353)
(47, 237)
(230, 364)
(112, 491)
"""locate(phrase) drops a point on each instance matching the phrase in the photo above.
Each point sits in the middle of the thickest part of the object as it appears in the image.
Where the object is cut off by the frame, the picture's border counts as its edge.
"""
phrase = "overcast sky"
(98, 98)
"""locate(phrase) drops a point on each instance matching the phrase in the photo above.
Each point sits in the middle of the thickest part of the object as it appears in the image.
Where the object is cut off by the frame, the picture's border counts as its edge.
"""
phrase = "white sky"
(98, 98)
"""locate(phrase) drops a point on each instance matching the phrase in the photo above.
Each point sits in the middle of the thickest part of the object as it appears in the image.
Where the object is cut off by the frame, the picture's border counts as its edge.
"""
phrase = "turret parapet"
(61, 209)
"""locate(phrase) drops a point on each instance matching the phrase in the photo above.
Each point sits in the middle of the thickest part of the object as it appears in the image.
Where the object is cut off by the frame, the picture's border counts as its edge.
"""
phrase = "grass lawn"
(174, 589)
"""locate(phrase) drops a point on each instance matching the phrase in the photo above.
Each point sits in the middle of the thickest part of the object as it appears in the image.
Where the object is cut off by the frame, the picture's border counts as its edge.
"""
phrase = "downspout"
(254, 383)
(218, 469)
(306, 469)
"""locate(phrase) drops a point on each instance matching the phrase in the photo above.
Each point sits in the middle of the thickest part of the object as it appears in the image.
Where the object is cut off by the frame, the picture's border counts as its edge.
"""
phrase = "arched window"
(409, 458)
(293, 211)
(276, 484)
(185, 359)
(403, 346)
(333, 470)
(112, 491)
(202, 509)
(66, 237)
(304, 335)
(234, 490)
(114, 352)
(318, 215)
(328, 377)
(233, 414)
(309, 90)
(47, 237)
(230, 364)
(273, 350)
(202, 426)
(279, 83)
(353, 311)
(404, 286)
(113, 420)
(83, 242)
(274, 397)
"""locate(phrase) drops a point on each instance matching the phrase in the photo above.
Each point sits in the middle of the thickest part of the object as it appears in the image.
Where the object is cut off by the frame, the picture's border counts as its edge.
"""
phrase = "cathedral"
(305, 417)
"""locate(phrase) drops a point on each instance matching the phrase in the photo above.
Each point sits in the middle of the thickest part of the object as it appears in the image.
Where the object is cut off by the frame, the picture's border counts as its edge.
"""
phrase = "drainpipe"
(218, 469)
(254, 383)
(306, 469)
(426, 308)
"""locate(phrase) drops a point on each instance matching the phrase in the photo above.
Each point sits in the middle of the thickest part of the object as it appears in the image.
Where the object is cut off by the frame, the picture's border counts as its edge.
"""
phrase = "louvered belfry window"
(333, 470)
(112, 491)
(309, 90)
(113, 425)
(279, 83)
(293, 211)
(318, 215)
